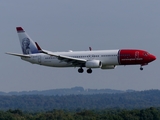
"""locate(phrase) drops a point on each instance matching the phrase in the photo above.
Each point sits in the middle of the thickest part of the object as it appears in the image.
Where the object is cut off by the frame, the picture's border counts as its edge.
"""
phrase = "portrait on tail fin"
(25, 46)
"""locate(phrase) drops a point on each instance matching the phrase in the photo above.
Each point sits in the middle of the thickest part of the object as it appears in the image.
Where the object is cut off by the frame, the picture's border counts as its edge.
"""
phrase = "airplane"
(104, 59)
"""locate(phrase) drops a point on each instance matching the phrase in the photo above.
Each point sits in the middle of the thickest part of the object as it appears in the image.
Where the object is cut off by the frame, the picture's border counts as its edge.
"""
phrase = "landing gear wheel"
(89, 70)
(80, 70)
(141, 68)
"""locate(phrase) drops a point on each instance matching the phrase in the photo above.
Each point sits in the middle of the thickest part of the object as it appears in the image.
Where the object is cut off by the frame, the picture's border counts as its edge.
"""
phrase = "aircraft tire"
(141, 68)
(89, 70)
(80, 70)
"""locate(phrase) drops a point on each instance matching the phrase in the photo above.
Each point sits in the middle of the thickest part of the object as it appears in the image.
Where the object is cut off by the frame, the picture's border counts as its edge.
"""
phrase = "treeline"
(137, 114)
(66, 91)
(129, 100)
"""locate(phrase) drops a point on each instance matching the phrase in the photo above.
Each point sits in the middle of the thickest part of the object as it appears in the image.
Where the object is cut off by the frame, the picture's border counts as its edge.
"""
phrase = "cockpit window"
(146, 54)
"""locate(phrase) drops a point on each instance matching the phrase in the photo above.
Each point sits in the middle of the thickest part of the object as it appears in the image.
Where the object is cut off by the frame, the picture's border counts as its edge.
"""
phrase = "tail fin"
(27, 44)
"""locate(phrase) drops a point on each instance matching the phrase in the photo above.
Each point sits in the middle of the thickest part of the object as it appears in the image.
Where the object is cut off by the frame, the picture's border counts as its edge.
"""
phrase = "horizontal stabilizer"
(19, 55)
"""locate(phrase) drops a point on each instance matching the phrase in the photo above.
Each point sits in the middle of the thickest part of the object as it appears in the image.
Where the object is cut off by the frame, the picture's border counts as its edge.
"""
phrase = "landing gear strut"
(89, 70)
(80, 70)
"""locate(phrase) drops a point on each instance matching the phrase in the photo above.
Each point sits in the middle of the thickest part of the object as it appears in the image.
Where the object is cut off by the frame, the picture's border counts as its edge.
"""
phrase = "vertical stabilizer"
(27, 44)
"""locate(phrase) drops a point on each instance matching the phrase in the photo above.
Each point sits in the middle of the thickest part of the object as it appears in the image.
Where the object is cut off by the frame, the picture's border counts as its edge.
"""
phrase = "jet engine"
(108, 67)
(93, 64)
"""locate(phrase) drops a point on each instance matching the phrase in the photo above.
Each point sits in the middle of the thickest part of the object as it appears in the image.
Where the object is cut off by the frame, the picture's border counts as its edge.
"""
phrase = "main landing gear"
(80, 70)
(89, 70)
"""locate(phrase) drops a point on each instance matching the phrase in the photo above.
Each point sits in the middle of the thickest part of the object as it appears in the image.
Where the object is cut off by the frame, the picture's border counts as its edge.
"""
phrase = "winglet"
(41, 50)
(90, 48)
(38, 47)
(19, 29)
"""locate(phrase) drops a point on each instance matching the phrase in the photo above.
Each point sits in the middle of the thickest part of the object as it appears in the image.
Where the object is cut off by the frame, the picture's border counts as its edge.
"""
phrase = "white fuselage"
(107, 57)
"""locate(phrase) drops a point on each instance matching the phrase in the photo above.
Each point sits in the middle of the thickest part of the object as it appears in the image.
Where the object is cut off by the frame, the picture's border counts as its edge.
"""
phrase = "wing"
(74, 61)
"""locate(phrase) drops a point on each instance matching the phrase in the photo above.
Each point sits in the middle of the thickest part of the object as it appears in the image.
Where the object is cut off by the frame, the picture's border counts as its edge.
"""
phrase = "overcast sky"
(64, 25)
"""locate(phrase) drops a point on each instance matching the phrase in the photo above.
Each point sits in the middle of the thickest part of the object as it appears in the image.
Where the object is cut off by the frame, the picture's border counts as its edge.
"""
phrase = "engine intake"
(93, 64)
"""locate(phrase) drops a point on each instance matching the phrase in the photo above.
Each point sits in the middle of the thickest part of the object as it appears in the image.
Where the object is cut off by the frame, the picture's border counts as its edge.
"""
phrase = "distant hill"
(66, 91)
(123, 100)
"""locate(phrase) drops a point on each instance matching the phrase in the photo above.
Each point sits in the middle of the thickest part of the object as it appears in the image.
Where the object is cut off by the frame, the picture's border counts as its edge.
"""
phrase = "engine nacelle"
(108, 67)
(93, 64)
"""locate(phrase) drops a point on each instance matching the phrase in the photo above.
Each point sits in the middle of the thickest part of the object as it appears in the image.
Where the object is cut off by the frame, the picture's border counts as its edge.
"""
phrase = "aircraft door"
(136, 55)
(90, 57)
(39, 59)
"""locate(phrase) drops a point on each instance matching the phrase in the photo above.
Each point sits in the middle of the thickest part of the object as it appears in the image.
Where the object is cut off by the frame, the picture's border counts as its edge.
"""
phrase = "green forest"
(108, 114)
(39, 103)
(135, 105)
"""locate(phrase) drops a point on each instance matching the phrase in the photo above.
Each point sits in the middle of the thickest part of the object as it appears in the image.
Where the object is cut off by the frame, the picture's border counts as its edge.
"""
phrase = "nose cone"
(152, 57)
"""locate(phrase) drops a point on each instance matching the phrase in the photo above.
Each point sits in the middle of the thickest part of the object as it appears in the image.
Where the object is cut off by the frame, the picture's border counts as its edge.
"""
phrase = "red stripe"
(19, 29)
(38, 47)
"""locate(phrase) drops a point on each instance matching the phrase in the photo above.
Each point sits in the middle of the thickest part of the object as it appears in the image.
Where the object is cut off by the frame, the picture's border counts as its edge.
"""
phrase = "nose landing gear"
(141, 68)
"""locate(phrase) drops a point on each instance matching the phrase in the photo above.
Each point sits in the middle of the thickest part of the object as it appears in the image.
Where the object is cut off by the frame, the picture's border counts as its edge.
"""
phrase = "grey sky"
(64, 25)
